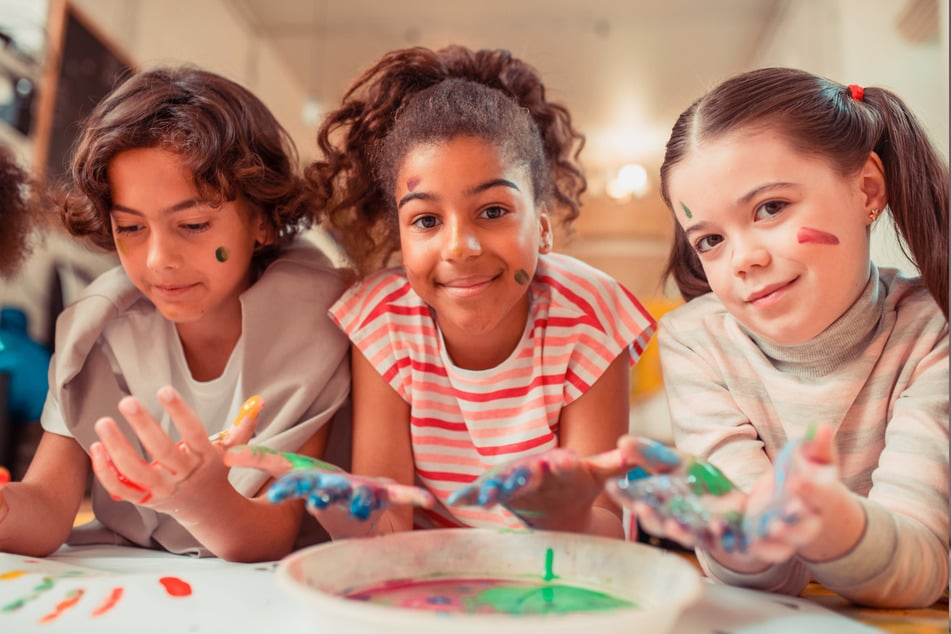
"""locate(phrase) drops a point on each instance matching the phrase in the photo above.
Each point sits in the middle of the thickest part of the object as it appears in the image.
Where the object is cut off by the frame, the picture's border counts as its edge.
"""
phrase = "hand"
(554, 489)
(180, 476)
(322, 484)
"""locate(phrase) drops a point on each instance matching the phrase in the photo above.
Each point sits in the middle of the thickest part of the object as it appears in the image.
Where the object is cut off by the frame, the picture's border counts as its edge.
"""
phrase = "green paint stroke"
(687, 210)
(545, 599)
(549, 560)
(221, 254)
(297, 461)
(521, 276)
(703, 478)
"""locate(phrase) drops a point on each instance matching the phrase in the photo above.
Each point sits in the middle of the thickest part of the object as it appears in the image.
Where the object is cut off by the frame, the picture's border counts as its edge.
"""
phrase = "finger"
(363, 501)
(113, 481)
(125, 462)
(821, 446)
(651, 454)
(242, 427)
(521, 481)
(490, 491)
(192, 431)
(274, 462)
(155, 441)
(412, 495)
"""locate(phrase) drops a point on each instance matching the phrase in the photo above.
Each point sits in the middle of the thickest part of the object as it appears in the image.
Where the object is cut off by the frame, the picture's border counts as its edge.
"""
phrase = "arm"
(36, 515)
(708, 423)
(901, 557)
(189, 481)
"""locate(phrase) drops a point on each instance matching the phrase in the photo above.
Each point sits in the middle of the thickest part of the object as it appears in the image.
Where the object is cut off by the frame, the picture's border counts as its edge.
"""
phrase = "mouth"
(466, 286)
(172, 290)
(769, 292)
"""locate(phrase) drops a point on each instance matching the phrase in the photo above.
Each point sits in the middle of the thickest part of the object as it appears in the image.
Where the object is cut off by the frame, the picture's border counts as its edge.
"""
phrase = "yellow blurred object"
(646, 376)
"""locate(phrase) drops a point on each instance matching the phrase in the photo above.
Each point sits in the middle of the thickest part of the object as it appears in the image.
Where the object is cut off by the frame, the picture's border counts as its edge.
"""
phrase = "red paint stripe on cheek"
(176, 587)
(808, 235)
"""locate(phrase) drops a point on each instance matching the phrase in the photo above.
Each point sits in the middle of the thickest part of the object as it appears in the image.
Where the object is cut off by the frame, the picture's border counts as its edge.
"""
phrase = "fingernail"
(129, 406)
(166, 394)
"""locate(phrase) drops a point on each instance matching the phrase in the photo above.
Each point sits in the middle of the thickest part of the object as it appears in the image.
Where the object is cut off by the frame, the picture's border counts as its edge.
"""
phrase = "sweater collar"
(840, 343)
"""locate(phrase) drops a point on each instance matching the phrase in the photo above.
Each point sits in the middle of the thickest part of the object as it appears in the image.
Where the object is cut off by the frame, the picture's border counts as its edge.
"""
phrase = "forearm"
(32, 522)
(788, 578)
(897, 562)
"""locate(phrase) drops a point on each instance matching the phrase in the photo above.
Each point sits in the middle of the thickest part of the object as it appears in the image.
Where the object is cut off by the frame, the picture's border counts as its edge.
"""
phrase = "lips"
(469, 285)
(172, 290)
(766, 291)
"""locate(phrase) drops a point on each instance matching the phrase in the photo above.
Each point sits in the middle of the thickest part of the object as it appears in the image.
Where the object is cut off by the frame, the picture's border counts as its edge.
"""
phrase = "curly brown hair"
(362, 150)
(225, 136)
(20, 215)
(819, 117)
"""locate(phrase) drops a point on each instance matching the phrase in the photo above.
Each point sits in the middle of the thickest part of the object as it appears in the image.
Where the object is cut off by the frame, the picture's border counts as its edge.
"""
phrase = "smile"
(467, 286)
(768, 295)
(172, 291)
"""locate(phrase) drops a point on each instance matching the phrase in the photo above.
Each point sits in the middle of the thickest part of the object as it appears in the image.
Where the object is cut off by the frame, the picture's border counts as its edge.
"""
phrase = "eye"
(196, 227)
(127, 229)
(769, 209)
(494, 212)
(705, 243)
(425, 222)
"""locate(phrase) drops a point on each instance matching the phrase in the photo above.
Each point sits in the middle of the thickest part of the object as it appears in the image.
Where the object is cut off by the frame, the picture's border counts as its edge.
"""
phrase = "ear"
(546, 235)
(872, 184)
(262, 235)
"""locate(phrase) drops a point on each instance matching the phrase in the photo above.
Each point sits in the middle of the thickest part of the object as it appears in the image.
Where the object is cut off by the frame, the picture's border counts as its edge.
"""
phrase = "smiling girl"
(191, 180)
(482, 347)
(775, 178)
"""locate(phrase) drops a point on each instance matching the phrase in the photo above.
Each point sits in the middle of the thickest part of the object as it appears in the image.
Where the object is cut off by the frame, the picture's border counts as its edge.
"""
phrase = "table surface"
(720, 608)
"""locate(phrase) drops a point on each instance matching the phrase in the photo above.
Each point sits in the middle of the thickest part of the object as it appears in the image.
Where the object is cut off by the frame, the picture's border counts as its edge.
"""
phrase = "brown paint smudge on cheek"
(808, 235)
(412, 182)
(120, 246)
(521, 276)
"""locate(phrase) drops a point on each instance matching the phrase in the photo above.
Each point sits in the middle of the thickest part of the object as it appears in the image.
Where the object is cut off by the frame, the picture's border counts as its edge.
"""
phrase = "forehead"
(472, 156)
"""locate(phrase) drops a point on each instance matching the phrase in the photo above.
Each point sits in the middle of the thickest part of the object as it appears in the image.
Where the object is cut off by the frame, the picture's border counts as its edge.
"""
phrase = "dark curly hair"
(19, 213)
(819, 117)
(225, 136)
(489, 94)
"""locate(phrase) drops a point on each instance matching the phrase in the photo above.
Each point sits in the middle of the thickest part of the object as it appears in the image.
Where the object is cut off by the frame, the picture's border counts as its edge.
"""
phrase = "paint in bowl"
(482, 580)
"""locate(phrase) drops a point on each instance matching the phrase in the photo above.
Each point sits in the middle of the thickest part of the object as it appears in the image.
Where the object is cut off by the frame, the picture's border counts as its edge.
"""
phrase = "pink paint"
(71, 599)
(412, 182)
(110, 602)
(4, 476)
(808, 235)
(176, 587)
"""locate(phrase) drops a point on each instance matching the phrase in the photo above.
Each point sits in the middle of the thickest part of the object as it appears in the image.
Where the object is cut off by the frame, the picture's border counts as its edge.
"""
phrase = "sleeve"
(902, 559)
(383, 323)
(708, 423)
(605, 319)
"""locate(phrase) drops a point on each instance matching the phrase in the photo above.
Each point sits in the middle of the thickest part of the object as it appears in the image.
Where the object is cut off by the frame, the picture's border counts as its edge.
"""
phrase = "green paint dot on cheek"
(221, 254)
(521, 276)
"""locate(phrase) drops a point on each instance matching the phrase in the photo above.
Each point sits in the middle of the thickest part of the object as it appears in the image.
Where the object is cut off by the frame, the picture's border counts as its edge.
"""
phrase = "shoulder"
(378, 296)
(915, 311)
(702, 318)
(571, 282)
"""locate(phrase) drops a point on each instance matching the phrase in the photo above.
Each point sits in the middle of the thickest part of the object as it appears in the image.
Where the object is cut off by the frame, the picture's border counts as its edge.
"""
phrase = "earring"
(873, 215)
(545, 246)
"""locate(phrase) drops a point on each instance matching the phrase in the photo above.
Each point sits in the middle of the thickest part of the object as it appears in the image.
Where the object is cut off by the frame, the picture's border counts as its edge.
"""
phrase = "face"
(192, 260)
(470, 235)
(782, 237)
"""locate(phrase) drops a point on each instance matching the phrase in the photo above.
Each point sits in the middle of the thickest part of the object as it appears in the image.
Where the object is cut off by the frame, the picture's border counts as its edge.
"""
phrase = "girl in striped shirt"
(775, 178)
(484, 366)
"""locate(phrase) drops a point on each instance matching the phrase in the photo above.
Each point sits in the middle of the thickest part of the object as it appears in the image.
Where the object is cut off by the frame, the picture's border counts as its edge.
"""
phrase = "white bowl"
(660, 584)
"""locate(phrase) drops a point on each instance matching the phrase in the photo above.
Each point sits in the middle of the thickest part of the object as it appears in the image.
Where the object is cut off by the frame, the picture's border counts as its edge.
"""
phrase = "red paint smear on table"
(71, 599)
(808, 234)
(176, 587)
(110, 602)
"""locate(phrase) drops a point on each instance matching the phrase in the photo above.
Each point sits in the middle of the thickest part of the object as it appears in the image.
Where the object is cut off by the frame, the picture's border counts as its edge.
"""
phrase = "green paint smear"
(549, 560)
(703, 478)
(221, 254)
(687, 210)
(491, 596)
(521, 276)
(297, 461)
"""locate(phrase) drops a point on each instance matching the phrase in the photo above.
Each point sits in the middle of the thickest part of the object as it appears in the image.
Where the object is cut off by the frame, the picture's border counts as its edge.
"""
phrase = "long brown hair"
(350, 176)
(820, 117)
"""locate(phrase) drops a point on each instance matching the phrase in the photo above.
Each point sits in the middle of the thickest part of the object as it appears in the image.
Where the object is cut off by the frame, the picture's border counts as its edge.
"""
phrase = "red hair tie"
(857, 92)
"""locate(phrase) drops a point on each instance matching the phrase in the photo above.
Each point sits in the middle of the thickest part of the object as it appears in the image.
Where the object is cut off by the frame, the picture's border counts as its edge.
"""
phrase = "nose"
(163, 252)
(748, 253)
(461, 241)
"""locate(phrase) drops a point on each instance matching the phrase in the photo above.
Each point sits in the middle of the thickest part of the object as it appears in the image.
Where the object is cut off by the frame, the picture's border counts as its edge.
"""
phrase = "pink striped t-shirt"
(465, 422)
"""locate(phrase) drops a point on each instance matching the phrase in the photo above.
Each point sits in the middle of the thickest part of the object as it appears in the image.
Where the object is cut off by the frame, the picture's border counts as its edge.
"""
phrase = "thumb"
(820, 446)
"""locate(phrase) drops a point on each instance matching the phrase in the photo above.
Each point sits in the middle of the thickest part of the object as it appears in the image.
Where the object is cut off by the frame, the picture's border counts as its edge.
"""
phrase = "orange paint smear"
(176, 587)
(71, 599)
(110, 602)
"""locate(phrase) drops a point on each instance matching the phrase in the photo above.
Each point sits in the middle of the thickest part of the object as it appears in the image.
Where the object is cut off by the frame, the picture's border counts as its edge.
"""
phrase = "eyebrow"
(185, 204)
(478, 189)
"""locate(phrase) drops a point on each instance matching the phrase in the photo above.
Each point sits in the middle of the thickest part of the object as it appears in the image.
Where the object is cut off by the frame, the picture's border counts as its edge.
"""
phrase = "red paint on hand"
(176, 587)
(4, 476)
(810, 235)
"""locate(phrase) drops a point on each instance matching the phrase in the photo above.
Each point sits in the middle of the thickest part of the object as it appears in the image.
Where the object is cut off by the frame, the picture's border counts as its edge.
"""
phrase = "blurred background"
(624, 68)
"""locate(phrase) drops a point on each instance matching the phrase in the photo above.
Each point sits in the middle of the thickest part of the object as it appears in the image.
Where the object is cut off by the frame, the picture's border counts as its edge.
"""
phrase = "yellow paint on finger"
(251, 408)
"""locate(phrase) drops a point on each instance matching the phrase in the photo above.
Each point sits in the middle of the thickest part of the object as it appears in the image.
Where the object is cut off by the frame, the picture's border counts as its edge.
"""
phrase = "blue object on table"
(27, 364)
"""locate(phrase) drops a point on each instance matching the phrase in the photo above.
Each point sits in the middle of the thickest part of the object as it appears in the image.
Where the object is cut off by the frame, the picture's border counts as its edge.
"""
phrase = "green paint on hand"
(703, 478)
(687, 210)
